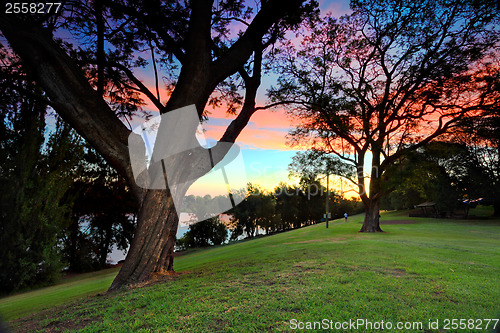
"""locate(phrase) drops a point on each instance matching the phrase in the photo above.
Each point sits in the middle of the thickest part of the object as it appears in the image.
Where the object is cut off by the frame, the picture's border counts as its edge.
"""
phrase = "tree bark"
(153, 244)
(372, 202)
(496, 207)
(69, 92)
(372, 214)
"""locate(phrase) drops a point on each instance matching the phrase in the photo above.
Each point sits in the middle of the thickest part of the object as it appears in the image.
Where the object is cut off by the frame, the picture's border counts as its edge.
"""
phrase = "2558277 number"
(32, 7)
(471, 324)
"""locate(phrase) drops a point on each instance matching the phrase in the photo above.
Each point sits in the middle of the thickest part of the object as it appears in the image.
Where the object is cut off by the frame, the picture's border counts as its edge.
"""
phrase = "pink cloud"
(253, 136)
(266, 129)
(336, 8)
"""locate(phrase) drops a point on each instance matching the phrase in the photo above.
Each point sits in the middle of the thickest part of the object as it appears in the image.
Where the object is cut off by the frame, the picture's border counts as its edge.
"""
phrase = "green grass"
(19, 305)
(481, 211)
(432, 269)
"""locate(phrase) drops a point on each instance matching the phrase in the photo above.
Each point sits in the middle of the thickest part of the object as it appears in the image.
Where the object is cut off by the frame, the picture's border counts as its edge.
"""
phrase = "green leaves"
(310, 164)
(35, 176)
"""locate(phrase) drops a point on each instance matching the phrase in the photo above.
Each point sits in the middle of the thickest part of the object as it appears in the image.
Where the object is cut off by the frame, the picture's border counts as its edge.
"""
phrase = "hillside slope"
(417, 271)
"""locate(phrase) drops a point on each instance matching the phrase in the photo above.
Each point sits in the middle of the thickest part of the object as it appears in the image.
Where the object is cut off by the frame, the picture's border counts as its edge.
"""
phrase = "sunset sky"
(263, 142)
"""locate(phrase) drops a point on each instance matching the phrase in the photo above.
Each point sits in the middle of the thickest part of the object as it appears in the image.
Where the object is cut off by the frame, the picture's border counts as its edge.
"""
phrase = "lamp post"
(327, 196)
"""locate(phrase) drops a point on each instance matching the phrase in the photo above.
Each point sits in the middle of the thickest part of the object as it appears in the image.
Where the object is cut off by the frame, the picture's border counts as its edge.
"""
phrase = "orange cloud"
(266, 129)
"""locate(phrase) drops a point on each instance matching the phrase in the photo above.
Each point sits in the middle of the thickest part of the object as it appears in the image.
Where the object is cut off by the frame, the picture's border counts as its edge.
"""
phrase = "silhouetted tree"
(388, 79)
(103, 214)
(482, 137)
(255, 211)
(437, 172)
(204, 233)
(90, 84)
(35, 173)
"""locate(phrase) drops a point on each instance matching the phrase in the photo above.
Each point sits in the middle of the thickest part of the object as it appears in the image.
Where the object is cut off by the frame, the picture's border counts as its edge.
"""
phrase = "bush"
(204, 233)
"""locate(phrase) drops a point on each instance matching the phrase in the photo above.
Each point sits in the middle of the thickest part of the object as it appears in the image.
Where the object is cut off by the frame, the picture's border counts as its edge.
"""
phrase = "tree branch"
(69, 91)
(141, 87)
(241, 50)
(155, 22)
(252, 84)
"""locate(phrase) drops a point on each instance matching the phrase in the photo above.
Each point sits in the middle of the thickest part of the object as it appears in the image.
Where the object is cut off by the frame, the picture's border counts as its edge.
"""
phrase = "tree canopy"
(36, 170)
(387, 79)
(87, 59)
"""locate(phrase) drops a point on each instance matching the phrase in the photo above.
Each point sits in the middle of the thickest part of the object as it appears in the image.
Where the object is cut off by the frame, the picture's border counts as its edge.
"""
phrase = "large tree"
(437, 172)
(481, 135)
(387, 79)
(91, 83)
(256, 211)
(103, 214)
(35, 173)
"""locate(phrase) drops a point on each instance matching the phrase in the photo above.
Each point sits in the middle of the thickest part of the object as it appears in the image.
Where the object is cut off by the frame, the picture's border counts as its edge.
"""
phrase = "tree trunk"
(372, 214)
(85, 110)
(496, 207)
(153, 244)
(108, 232)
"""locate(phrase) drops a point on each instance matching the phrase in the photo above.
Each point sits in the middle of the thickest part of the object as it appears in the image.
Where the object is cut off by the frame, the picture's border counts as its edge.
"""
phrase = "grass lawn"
(425, 269)
(82, 285)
